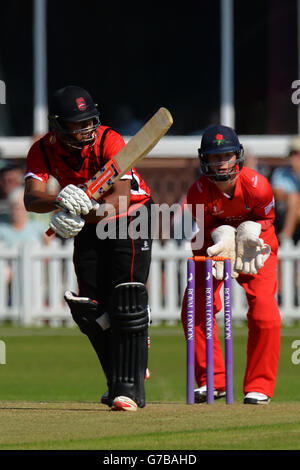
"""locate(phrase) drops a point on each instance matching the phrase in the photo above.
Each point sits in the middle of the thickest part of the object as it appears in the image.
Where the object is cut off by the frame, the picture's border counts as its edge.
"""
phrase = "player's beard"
(73, 144)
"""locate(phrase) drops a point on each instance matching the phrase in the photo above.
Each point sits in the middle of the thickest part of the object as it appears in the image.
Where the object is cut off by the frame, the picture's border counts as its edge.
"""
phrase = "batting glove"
(74, 200)
(251, 251)
(65, 224)
(224, 238)
(86, 311)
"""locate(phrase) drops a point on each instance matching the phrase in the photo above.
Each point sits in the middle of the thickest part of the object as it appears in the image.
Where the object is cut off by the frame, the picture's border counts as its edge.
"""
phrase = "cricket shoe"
(256, 398)
(200, 394)
(105, 398)
(123, 404)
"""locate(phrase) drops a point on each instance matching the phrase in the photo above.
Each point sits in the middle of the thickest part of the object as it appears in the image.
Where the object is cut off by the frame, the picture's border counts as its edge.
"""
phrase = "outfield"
(51, 385)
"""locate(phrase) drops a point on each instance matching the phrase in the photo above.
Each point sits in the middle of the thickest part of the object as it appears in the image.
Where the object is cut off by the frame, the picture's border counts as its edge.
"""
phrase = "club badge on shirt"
(146, 246)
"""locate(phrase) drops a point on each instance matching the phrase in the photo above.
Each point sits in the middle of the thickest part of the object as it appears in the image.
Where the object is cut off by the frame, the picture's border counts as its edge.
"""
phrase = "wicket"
(209, 321)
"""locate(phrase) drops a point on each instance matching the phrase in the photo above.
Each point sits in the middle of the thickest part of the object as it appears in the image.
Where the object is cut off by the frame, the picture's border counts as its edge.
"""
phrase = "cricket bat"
(135, 149)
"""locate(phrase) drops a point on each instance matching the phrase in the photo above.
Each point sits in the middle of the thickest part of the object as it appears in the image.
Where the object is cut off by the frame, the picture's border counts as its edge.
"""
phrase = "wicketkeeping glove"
(251, 251)
(74, 200)
(224, 238)
(65, 224)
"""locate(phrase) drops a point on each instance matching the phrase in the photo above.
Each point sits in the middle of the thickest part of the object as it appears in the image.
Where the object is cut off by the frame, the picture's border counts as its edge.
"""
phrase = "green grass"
(52, 383)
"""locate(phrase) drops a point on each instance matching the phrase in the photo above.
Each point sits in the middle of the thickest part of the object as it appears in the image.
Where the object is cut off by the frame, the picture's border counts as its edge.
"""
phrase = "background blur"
(135, 59)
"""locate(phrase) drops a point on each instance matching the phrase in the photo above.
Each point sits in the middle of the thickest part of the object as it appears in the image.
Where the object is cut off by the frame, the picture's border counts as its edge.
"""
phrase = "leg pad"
(129, 341)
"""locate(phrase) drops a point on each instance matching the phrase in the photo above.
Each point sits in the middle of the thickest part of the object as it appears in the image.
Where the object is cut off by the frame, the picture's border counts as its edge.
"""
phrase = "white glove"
(251, 251)
(74, 200)
(224, 238)
(65, 224)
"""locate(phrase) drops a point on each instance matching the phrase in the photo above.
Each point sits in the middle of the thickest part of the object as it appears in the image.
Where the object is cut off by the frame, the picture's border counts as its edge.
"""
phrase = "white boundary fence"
(39, 275)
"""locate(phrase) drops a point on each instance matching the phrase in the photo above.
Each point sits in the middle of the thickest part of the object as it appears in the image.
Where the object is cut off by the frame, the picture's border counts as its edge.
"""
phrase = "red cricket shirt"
(67, 169)
(252, 200)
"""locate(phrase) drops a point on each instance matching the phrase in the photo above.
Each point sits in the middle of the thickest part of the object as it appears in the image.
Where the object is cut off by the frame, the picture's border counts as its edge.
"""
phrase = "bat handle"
(88, 192)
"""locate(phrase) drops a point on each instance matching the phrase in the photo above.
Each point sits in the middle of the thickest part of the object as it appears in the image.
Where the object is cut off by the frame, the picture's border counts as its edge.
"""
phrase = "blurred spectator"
(20, 229)
(285, 182)
(11, 176)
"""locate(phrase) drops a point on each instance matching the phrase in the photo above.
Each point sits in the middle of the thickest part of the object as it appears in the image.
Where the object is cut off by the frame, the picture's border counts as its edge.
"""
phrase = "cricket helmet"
(219, 140)
(73, 104)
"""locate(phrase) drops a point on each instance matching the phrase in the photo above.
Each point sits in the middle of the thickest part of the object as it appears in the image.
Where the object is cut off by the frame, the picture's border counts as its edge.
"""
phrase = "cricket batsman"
(111, 306)
(238, 223)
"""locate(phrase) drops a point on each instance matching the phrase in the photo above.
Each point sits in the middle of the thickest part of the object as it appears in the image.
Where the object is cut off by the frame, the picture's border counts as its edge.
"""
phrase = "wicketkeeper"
(111, 307)
(238, 223)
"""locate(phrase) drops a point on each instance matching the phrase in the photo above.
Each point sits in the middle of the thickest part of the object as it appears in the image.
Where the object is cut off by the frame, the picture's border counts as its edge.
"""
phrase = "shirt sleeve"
(263, 203)
(35, 164)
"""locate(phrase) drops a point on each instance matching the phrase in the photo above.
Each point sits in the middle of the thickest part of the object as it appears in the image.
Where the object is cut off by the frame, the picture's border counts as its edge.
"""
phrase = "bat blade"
(135, 149)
